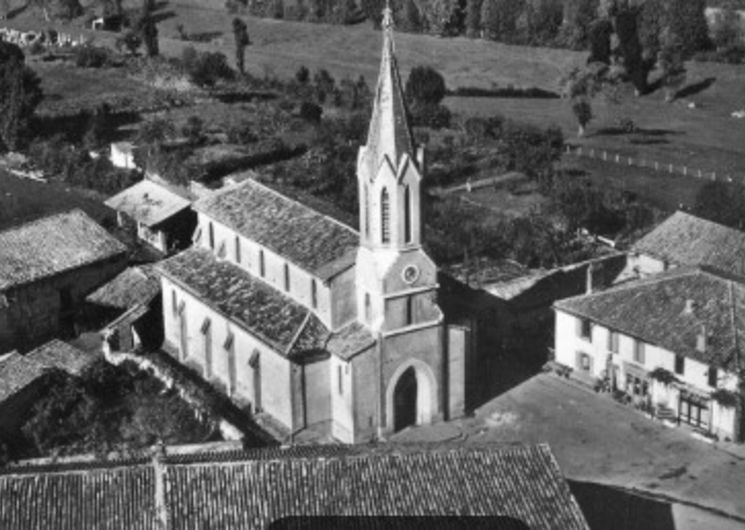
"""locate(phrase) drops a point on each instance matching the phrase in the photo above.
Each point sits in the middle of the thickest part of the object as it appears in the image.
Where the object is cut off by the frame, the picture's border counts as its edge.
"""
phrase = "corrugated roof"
(148, 203)
(684, 239)
(52, 245)
(312, 240)
(654, 310)
(520, 483)
(135, 285)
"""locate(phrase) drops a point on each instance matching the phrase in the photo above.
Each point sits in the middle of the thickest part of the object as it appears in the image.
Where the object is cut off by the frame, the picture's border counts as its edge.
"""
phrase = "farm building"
(160, 212)
(403, 486)
(300, 316)
(48, 266)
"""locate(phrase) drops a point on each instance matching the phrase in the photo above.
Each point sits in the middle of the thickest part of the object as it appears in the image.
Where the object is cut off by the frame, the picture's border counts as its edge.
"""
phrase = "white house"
(122, 155)
(298, 315)
(673, 342)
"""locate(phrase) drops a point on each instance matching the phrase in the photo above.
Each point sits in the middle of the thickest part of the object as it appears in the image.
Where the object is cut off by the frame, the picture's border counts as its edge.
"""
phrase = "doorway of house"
(405, 400)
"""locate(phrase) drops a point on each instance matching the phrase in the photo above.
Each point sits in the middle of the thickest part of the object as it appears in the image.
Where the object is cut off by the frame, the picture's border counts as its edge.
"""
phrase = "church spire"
(389, 134)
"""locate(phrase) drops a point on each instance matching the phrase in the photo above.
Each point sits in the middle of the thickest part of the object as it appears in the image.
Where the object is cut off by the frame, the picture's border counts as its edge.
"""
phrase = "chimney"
(690, 306)
(588, 277)
(701, 339)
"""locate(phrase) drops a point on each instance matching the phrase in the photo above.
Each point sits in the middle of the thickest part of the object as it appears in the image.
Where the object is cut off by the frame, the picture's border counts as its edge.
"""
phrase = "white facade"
(595, 352)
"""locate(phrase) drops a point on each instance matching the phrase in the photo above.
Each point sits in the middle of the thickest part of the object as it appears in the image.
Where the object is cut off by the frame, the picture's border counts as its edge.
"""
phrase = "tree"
(149, 32)
(20, 93)
(131, 41)
(687, 24)
(425, 85)
(205, 68)
(240, 35)
(671, 64)
(722, 202)
(154, 133)
(600, 42)
(473, 18)
(627, 30)
(193, 130)
(579, 16)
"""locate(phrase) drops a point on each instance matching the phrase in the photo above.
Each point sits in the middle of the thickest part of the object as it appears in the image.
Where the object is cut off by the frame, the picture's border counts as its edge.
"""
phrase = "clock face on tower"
(410, 274)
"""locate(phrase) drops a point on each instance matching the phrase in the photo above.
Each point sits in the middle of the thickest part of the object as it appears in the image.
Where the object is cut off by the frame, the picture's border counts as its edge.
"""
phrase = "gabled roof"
(133, 286)
(654, 311)
(389, 134)
(61, 356)
(148, 202)
(314, 241)
(686, 240)
(518, 486)
(52, 245)
(16, 373)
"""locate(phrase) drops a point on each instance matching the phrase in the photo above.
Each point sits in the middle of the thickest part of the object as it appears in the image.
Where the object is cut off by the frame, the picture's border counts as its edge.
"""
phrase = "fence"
(607, 156)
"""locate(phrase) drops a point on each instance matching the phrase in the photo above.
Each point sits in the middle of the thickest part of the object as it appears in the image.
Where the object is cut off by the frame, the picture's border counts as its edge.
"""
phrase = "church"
(302, 318)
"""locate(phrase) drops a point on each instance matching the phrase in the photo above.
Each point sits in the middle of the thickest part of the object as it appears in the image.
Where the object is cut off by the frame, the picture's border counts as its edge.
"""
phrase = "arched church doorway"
(405, 400)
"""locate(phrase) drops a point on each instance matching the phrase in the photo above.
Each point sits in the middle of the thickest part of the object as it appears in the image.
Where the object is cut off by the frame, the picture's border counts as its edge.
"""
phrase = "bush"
(425, 85)
(91, 57)
(206, 68)
(430, 115)
(302, 75)
(311, 112)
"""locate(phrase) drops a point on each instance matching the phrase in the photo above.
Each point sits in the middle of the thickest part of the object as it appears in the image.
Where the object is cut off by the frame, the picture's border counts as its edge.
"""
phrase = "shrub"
(205, 68)
(311, 112)
(425, 85)
(302, 75)
(430, 115)
(91, 57)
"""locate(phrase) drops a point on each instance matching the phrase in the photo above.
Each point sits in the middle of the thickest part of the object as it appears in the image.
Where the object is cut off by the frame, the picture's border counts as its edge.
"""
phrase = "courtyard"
(598, 441)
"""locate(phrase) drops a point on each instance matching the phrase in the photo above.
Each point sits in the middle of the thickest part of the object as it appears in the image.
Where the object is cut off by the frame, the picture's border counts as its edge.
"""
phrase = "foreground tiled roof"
(308, 238)
(148, 203)
(684, 239)
(135, 285)
(522, 483)
(18, 371)
(52, 245)
(654, 311)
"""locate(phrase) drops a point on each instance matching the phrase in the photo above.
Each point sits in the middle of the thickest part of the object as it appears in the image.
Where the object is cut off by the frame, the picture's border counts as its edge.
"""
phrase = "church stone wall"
(366, 395)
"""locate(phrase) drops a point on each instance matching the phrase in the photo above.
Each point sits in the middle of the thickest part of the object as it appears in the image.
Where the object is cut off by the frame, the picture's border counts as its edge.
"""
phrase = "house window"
(693, 411)
(407, 214)
(585, 328)
(207, 338)
(385, 217)
(340, 379)
(367, 307)
(254, 362)
(183, 332)
(636, 386)
(612, 341)
(287, 277)
(237, 249)
(409, 310)
(366, 210)
(639, 353)
(584, 362)
(174, 302)
(680, 364)
(713, 375)
(230, 350)
(313, 293)
(262, 266)
(212, 236)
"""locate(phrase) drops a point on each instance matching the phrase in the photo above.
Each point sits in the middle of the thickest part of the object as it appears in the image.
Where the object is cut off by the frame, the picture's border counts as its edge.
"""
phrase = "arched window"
(385, 217)
(366, 211)
(407, 214)
(313, 293)
(262, 266)
(409, 310)
(287, 277)
(212, 236)
(367, 307)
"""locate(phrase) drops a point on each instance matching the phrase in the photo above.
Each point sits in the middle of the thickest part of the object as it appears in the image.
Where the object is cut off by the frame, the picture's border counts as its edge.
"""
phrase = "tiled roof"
(135, 285)
(308, 238)
(522, 483)
(52, 245)
(684, 239)
(18, 371)
(62, 356)
(287, 326)
(148, 203)
(654, 311)
(102, 499)
(261, 309)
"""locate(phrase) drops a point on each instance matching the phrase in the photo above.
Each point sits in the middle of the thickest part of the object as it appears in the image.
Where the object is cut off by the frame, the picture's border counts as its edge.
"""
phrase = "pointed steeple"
(389, 134)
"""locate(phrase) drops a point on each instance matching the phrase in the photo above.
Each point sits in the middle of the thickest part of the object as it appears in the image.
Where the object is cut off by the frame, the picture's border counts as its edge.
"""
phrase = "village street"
(597, 440)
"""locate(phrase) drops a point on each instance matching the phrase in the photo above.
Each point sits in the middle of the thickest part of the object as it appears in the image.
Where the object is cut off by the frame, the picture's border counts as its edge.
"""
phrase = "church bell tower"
(390, 261)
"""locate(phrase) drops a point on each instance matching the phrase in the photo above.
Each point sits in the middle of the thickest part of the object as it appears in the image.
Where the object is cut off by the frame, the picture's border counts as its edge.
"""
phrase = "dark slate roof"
(654, 311)
(16, 373)
(52, 245)
(350, 340)
(312, 240)
(523, 483)
(148, 203)
(684, 239)
(134, 286)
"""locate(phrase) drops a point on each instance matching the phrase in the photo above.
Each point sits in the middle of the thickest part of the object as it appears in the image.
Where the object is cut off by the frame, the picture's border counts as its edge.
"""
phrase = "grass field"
(23, 200)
